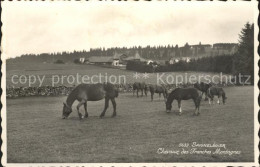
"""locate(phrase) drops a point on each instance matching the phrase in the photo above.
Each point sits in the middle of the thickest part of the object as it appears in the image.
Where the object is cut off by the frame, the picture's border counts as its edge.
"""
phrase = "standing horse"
(158, 89)
(203, 87)
(140, 86)
(184, 94)
(218, 91)
(90, 92)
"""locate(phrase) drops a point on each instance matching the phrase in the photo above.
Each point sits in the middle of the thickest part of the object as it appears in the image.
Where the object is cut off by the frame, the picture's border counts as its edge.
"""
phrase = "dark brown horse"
(219, 92)
(203, 87)
(90, 92)
(140, 86)
(180, 94)
(160, 89)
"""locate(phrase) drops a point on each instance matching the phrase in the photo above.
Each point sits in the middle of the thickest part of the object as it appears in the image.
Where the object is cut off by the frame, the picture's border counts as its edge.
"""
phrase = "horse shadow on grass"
(175, 112)
(90, 118)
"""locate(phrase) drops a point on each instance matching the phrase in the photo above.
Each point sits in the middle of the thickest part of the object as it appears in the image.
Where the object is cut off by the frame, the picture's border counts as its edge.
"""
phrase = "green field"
(49, 72)
(36, 132)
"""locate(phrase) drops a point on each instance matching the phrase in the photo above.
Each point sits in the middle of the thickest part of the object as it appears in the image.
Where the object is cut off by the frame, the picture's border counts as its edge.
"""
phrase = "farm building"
(186, 59)
(200, 46)
(200, 49)
(82, 59)
(149, 62)
(136, 57)
(118, 59)
(101, 60)
(114, 60)
(224, 48)
(176, 60)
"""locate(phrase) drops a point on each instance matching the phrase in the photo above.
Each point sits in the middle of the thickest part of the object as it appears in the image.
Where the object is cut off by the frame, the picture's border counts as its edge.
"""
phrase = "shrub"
(59, 62)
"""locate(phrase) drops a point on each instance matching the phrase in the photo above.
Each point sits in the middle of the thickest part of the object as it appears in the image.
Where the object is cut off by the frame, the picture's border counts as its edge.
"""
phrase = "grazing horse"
(158, 89)
(140, 86)
(218, 91)
(203, 87)
(184, 94)
(90, 92)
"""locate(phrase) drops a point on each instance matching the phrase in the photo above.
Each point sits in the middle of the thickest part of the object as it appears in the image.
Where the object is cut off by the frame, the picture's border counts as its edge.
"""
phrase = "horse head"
(66, 111)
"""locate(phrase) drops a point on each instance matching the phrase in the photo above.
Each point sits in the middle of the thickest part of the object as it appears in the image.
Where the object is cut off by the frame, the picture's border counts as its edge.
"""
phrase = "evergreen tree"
(244, 58)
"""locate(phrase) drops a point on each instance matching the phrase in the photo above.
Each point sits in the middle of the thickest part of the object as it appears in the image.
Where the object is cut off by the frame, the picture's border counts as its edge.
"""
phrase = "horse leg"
(179, 105)
(114, 107)
(137, 92)
(202, 95)
(159, 96)
(152, 96)
(198, 108)
(164, 96)
(86, 110)
(223, 98)
(211, 100)
(197, 104)
(142, 92)
(218, 100)
(206, 95)
(105, 108)
(78, 106)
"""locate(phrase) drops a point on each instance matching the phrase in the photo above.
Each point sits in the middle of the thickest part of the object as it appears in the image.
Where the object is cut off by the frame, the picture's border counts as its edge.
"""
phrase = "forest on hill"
(239, 63)
(233, 58)
(148, 52)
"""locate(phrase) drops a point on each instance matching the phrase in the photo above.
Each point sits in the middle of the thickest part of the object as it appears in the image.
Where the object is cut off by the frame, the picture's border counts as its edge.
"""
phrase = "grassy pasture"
(49, 72)
(36, 132)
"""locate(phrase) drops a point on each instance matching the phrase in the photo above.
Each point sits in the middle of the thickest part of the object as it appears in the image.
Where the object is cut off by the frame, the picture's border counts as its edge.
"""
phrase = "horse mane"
(72, 96)
(174, 90)
(171, 94)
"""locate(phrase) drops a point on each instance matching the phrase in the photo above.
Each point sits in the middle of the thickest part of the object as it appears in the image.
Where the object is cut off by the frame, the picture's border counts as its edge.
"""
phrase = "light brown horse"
(90, 92)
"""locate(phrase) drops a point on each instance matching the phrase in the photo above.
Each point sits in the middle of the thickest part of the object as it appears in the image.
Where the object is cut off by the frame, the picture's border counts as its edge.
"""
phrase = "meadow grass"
(50, 71)
(36, 132)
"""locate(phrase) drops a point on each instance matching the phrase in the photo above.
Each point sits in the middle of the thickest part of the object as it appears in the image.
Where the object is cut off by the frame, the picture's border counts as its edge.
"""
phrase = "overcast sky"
(40, 27)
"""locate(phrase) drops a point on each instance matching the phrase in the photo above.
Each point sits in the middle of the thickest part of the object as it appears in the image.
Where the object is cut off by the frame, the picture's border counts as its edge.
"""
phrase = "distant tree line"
(241, 62)
(207, 64)
(148, 52)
